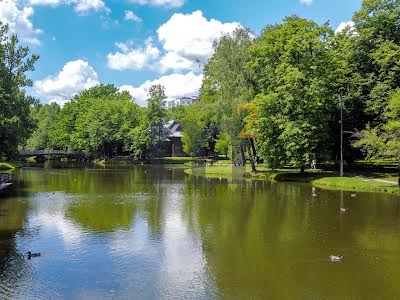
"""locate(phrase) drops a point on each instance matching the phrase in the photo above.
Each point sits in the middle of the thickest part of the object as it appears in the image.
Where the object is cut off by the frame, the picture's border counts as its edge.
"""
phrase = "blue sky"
(134, 43)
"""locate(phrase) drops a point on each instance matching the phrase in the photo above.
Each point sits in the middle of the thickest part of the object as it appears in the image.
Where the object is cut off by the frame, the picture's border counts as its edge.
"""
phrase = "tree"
(228, 83)
(98, 121)
(156, 117)
(292, 66)
(16, 123)
(383, 140)
(376, 55)
(200, 129)
(223, 144)
(45, 117)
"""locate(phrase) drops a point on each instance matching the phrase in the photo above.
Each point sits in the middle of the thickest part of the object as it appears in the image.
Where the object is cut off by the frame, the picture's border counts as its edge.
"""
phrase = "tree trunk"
(302, 169)
(253, 165)
(243, 155)
(254, 150)
(398, 181)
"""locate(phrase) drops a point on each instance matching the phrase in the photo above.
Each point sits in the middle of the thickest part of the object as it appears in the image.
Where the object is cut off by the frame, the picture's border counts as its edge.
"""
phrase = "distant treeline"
(276, 97)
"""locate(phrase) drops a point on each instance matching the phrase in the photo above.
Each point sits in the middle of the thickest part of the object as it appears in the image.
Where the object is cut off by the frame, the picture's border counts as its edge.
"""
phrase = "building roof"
(174, 129)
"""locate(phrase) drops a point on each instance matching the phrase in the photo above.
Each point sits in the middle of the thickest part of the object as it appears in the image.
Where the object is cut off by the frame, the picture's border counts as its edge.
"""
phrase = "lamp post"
(341, 134)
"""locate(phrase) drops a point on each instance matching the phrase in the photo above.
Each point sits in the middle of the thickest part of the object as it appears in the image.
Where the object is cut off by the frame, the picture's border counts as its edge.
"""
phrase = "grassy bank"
(6, 166)
(315, 178)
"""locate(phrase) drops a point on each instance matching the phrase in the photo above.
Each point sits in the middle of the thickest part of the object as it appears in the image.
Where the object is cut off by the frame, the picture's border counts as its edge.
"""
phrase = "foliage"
(16, 123)
(200, 130)
(45, 117)
(98, 122)
(291, 63)
(227, 83)
(223, 144)
(156, 118)
(383, 140)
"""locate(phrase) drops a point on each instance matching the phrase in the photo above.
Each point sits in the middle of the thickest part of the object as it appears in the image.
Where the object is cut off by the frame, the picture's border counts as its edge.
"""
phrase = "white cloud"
(131, 16)
(176, 85)
(133, 58)
(344, 25)
(186, 41)
(306, 2)
(18, 20)
(172, 60)
(170, 3)
(75, 76)
(191, 36)
(80, 6)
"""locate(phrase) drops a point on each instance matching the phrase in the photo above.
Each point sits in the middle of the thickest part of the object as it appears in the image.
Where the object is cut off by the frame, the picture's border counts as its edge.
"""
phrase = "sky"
(136, 43)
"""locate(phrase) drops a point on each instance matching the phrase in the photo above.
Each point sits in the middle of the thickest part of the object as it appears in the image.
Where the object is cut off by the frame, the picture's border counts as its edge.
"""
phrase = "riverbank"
(372, 182)
(6, 166)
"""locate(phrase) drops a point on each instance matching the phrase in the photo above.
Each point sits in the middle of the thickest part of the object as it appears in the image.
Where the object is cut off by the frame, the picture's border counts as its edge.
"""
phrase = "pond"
(156, 233)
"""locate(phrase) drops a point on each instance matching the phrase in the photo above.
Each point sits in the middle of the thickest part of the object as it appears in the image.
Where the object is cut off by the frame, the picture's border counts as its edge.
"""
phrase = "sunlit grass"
(315, 178)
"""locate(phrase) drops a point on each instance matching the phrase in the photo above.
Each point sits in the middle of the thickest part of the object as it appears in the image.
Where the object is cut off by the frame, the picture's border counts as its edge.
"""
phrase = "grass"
(5, 166)
(177, 160)
(318, 179)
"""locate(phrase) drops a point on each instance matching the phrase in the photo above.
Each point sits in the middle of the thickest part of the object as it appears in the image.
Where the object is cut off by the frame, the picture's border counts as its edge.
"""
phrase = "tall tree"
(156, 117)
(98, 121)
(292, 66)
(383, 140)
(16, 123)
(45, 117)
(228, 83)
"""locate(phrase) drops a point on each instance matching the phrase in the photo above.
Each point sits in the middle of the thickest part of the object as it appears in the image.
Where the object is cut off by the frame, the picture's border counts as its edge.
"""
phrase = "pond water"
(156, 233)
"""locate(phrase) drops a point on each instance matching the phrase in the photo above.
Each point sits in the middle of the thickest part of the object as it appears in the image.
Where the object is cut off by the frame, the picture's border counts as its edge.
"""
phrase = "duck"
(30, 254)
(335, 258)
(342, 209)
(353, 195)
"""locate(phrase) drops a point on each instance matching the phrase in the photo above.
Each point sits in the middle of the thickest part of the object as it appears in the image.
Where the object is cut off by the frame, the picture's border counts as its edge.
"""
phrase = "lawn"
(328, 180)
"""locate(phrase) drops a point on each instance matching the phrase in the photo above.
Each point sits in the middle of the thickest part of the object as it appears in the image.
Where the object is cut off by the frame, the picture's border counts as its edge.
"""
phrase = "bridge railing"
(50, 152)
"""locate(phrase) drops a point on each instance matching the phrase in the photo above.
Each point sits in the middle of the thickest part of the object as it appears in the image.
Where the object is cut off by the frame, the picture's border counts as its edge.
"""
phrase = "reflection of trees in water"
(269, 240)
(140, 190)
(13, 264)
(102, 214)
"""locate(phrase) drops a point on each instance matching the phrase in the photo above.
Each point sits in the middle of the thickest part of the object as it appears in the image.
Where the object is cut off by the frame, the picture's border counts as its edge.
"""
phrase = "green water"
(156, 233)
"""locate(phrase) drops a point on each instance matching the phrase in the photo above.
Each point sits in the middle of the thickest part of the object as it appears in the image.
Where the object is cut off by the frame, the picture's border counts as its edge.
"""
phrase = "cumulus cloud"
(80, 6)
(170, 3)
(344, 25)
(18, 20)
(131, 16)
(186, 44)
(132, 58)
(74, 77)
(306, 2)
(191, 36)
(176, 85)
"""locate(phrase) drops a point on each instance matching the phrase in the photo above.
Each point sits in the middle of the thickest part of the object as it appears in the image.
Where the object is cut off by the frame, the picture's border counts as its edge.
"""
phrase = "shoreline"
(319, 179)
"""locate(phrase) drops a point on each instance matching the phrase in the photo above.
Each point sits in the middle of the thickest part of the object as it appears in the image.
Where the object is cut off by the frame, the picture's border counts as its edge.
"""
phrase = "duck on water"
(30, 254)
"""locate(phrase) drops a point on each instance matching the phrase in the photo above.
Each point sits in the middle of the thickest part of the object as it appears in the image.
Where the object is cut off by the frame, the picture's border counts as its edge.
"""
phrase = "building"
(173, 143)
(183, 101)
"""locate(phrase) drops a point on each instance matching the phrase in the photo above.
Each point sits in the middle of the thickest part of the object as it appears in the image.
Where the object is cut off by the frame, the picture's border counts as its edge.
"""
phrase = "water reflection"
(156, 233)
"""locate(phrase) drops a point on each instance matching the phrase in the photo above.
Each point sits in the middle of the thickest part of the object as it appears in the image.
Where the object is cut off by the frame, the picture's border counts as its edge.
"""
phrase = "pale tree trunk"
(243, 155)
(253, 165)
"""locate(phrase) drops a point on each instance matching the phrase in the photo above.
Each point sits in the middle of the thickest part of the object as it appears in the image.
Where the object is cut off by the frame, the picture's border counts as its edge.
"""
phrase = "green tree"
(45, 117)
(97, 121)
(16, 123)
(156, 118)
(228, 83)
(292, 65)
(223, 144)
(376, 55)
(383, 140)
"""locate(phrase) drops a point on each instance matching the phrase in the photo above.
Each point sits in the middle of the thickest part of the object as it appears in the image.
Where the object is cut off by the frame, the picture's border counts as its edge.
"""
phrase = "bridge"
(5, 180)
(52, 153)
